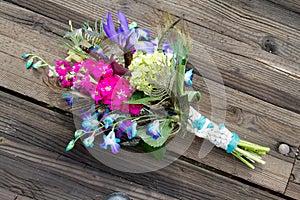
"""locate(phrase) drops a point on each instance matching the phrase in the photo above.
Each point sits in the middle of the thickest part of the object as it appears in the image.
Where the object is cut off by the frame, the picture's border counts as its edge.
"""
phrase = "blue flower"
(168, 50)
(69, 98)
(153, 130)
(70, 145)
(89, 141)
(112, 141)
(199, 123)
(109, 119)
(188, 77)
(90, 122)
(125, 37)
(127, 127)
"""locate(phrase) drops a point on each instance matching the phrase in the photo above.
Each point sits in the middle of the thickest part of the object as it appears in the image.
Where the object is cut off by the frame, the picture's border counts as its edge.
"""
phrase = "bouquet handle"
(221, 137)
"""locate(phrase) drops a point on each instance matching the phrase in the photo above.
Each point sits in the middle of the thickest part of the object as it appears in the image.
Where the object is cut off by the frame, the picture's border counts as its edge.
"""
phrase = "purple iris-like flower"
(153, 130)
(112, 141)
(125, 37)
(127, 127)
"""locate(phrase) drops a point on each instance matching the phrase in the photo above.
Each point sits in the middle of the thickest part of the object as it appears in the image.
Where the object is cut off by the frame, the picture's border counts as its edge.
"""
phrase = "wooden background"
(253, 43)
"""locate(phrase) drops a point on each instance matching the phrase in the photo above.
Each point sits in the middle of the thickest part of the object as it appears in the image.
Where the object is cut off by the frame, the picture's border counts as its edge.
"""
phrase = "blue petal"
(188, 77)
(115, 148)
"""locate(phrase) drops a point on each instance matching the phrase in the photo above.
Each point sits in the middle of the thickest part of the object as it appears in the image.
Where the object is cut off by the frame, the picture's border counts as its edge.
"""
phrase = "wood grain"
(293, 187)
(254, 119)
(234, 46)
(293, 5)
(31, 166)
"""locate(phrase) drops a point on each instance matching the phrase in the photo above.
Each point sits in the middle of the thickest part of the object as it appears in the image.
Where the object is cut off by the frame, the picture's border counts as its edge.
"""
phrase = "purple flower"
(112, 141)
(153, 130)
(69, 98)
(90, 122)
(127, 127)
(125, 37)
(109, 119)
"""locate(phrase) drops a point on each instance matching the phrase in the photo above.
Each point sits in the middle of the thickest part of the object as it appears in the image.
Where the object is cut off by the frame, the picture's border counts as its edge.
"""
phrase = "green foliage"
(192, 94)
(141, 98)
(157, 152)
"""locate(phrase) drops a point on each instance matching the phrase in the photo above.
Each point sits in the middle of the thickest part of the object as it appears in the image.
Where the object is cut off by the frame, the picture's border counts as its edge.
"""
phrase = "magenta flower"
(106, 87)
(135, 109)
(66, 73)
(62, 68)
(122, 93)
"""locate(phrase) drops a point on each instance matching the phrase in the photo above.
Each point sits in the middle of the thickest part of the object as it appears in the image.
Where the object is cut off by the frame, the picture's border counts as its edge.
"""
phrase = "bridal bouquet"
(138, 87)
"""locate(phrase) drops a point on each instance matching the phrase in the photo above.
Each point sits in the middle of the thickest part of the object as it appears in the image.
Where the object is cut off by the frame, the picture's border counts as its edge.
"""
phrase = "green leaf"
(70, 145)
(29, 63)
(191, 94)
(157, 152)
(144, 101)
(165, 131)
(141, 98)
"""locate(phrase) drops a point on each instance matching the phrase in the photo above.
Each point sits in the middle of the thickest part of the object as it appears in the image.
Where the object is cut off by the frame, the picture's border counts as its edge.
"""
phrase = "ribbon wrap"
(219, 135)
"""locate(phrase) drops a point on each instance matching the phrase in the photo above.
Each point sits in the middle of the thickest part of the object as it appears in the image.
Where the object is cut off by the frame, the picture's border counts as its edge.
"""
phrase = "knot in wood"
(268, 44)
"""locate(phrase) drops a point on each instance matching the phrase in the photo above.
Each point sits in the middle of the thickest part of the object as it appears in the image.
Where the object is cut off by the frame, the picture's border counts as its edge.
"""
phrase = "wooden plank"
(293, 187)
(33, 159)
(6, 194)
(278, 170)
(257, 121)
(293, 5)
(238, 58)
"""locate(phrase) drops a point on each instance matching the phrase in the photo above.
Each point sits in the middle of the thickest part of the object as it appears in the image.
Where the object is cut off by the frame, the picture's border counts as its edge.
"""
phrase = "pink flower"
(106, 87)
(62, 68)
(66, 72)
(122, 92)
(135, 109)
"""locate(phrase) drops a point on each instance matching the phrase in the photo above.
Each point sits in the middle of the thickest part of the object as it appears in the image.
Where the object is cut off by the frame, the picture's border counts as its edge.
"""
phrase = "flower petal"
(123, 21)
(145, 46)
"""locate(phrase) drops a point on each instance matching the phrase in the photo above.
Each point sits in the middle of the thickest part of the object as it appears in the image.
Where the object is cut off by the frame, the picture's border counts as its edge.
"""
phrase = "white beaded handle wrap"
(219, 135)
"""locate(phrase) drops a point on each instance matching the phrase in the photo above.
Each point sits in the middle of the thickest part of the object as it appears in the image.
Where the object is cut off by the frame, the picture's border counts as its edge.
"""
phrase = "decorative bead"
(284, 149)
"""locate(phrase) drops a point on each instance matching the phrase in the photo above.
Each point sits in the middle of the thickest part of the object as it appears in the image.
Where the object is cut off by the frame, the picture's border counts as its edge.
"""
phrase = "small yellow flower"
(73, 56)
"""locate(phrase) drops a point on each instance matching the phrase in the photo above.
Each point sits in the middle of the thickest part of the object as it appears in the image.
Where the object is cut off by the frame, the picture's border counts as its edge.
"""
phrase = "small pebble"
(284, 149)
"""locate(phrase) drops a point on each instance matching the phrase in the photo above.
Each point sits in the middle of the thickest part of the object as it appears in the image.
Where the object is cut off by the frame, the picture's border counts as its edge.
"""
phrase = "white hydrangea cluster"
(148, 70)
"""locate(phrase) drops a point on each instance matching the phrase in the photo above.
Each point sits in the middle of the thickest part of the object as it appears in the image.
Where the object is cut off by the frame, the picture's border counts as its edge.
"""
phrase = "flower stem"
(236, 154)
(249, 155)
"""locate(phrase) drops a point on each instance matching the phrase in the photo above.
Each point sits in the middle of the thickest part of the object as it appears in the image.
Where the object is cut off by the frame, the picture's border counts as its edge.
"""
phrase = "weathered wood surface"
(230, 33)
(293, 188)
(262, 88)
(34, 164)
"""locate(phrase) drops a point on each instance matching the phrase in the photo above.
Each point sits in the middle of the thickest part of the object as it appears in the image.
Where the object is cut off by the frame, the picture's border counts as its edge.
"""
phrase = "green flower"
(148, 70)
